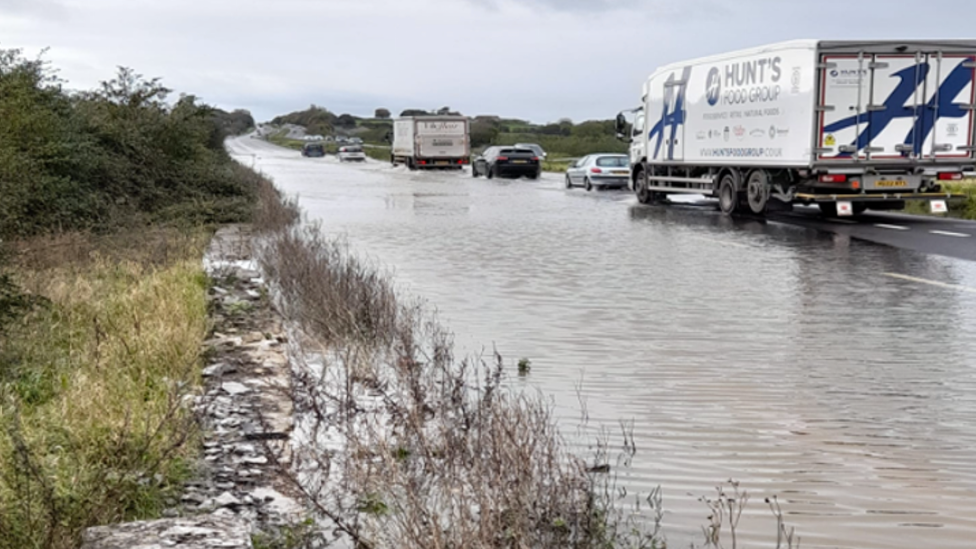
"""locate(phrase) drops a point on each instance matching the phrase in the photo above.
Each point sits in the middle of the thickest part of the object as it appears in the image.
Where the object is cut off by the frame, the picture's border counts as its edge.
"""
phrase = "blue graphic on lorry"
(895, 107)
(713, 86)
(672, 113)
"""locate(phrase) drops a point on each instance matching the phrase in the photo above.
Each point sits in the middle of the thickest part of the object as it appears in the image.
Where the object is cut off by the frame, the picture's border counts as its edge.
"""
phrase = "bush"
(117, 156)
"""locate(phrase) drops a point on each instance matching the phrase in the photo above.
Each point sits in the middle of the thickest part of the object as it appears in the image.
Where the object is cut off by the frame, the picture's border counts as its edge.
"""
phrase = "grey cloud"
(652, 9)
(44, 8)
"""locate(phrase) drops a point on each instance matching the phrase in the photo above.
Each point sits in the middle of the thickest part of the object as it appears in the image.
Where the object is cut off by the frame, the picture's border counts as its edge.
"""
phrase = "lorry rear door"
(442, 139)
(897, 107)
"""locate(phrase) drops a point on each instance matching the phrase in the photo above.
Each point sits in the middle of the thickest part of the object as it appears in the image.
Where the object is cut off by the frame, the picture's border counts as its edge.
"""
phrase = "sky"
(538, 60)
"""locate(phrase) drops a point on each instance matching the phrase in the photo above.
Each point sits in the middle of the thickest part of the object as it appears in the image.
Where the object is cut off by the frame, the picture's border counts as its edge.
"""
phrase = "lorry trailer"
(846, 125)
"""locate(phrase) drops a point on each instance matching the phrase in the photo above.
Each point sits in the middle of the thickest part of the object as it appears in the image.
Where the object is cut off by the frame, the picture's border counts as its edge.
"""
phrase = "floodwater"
(777, 356)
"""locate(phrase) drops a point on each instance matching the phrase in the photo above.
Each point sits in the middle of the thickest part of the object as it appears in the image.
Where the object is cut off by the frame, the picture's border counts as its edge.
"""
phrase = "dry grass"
(92, 424)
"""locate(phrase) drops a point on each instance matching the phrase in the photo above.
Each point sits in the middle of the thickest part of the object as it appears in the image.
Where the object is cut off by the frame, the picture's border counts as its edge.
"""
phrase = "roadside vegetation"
(107, 199)
(961, 208)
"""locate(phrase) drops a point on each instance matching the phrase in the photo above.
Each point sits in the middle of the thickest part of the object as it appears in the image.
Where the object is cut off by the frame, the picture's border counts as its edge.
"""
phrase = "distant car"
(313, 149)
(539, 151)
(341, 139)
(351, 154)
(506, 161)
(355, 141)
(599, 170)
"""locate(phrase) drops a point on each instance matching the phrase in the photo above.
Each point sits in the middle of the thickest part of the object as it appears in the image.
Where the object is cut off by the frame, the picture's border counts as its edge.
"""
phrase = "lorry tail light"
(950, 176)
(833, 178)
(596, 170)
(422, 162)
(855, 184)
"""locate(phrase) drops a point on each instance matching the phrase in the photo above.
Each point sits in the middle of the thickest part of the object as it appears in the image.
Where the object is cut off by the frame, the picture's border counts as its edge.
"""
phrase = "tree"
(414, 112)
(346, 121)
(382, 113)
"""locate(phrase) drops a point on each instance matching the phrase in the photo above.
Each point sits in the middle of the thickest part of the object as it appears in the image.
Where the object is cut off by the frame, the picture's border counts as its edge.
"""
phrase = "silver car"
(352, 153)
(599, 170)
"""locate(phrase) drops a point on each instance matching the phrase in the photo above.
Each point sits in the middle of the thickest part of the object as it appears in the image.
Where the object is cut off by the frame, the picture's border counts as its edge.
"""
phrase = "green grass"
(92, 429)
(959, 208)
(281, 140)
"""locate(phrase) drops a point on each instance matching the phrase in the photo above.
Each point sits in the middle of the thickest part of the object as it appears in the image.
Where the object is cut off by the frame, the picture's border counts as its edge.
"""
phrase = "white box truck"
(846, 125)
(431, 142)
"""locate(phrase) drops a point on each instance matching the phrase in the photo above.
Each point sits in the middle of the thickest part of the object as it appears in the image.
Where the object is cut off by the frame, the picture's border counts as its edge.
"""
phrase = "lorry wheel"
(644, 196)
(587, 184)
(728, 199)
(757, 191)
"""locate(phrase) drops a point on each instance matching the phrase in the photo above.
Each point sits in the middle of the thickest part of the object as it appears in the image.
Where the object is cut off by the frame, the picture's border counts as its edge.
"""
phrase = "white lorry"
(431, 142)
(846, 125)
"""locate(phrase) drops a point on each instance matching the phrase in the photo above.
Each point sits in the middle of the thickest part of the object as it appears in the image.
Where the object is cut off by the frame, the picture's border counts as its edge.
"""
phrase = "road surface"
(832, 364)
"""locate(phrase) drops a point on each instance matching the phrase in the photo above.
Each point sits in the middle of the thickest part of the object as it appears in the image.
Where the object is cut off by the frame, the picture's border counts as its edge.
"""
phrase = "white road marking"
(892, 227)
(931, 282)
(949, 233)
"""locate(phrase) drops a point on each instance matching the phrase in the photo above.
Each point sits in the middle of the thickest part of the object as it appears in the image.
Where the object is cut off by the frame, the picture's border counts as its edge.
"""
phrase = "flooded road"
(837, 374)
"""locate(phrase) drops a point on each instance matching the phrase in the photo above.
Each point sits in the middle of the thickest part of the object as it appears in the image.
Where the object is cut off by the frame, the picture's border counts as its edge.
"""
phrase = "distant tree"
(563, 121)
(414, 112)
(382, 113)
(484, 131)
(346, 121)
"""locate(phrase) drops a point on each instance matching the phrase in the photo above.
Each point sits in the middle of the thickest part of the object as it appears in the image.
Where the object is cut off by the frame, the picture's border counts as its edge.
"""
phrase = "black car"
(507, 162)
(313, 149)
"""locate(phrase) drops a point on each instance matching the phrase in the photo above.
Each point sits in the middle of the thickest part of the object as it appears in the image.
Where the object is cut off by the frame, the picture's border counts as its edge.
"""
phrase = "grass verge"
(963, 208)
(93, 429)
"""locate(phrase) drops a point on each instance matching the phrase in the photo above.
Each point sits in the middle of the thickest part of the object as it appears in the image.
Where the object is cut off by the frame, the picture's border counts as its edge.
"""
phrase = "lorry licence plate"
(890, 183)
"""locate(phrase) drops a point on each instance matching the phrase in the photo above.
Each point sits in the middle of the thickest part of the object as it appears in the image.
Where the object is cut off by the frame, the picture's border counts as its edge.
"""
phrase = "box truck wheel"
(644, 195)
(728, 197)
(757, 191)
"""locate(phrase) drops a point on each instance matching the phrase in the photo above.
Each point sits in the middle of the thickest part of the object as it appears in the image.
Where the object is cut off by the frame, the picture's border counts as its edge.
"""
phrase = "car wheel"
(474, 170)
(569, 182)
(490, 174)
(587, 184)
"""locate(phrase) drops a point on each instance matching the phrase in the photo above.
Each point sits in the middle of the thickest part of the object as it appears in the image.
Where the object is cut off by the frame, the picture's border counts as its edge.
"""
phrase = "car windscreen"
(315, 148)
(517, 151)
(353, 150)
(613, 162)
